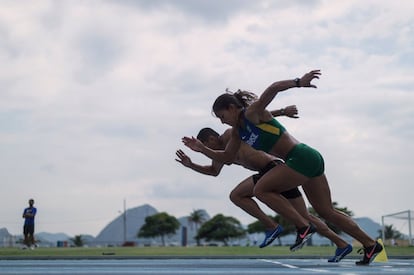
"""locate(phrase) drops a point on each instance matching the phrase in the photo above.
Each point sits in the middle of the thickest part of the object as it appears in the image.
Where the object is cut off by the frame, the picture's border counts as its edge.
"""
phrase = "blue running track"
(198, 266)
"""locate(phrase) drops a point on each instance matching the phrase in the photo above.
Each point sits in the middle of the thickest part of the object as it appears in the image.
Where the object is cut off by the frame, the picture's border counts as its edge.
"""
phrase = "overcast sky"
(96, 95)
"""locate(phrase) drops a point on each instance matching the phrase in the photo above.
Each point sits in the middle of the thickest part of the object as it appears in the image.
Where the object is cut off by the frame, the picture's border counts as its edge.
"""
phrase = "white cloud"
(96, 96)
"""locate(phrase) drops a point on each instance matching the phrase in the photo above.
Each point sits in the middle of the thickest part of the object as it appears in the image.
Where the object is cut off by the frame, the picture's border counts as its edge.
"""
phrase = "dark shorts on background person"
(28, 229)
(289, 194)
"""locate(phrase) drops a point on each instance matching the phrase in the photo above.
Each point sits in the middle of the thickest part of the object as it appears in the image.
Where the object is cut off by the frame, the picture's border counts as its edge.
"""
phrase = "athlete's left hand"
(305, 80)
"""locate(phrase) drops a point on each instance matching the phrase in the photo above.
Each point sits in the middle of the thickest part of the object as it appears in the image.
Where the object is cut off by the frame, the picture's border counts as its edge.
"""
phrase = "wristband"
(297, 82)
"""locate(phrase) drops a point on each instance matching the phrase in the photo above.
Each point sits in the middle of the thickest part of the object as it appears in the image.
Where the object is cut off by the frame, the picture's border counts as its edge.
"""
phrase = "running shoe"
(271, 235)
(369, 253)
(340, 253)
(302, 236)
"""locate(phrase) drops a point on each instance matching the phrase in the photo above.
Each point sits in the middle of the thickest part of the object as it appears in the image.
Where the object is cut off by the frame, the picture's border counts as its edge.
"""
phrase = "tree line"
(221, 228)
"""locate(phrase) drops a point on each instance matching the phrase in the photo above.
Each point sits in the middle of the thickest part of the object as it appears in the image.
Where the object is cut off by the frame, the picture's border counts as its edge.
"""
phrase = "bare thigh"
(244, 188)
(280, 178)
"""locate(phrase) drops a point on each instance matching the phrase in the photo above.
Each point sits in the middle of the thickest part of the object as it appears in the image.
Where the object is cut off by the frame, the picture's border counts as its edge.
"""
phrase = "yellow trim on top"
(269, 128)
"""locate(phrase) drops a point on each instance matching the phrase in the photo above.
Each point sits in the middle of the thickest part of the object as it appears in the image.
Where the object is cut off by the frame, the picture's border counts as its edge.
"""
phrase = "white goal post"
(403, 215)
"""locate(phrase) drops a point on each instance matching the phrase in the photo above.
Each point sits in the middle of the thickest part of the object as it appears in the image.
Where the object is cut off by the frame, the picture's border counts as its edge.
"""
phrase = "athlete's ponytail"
(245, 97)
(240, 99)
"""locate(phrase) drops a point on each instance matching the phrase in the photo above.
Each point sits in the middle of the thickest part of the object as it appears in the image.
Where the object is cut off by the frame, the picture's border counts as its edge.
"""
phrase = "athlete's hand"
(291, 111)
(183, 158)
(306, 79)
(193, 143)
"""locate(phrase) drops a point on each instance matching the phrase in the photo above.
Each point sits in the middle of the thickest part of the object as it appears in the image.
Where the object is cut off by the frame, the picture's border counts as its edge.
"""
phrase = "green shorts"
(306, 161)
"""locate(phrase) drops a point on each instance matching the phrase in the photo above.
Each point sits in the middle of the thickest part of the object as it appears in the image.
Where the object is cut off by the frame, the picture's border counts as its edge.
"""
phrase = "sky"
(95, 97)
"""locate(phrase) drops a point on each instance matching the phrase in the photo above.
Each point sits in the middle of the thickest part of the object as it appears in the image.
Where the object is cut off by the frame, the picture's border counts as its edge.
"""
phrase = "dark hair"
(240, 99)
(205, 133)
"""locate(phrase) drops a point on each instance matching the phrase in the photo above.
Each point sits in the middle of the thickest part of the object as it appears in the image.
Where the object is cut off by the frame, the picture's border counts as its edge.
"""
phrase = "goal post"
(407, 216)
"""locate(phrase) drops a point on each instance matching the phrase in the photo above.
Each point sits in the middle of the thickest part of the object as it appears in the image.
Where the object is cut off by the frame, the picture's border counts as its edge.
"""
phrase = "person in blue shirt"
(29, 214)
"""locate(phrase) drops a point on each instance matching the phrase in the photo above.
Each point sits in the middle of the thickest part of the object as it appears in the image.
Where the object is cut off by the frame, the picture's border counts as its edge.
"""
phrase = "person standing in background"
(29, 214)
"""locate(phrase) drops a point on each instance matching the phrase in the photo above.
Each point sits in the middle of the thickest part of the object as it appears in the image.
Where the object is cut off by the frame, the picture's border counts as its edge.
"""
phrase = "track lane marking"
(279, 263)
(297, 267)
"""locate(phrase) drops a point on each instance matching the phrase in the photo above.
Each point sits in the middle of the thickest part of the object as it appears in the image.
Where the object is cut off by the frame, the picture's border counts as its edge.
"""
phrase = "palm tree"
(197, 217)
(390, 233)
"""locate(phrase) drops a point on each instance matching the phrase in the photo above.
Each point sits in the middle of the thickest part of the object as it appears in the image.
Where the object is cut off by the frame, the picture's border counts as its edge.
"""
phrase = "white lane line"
(294, 267)
(279, 263)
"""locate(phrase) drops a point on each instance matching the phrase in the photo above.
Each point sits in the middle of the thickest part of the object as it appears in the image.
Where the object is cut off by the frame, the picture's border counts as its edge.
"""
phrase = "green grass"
(184, 251)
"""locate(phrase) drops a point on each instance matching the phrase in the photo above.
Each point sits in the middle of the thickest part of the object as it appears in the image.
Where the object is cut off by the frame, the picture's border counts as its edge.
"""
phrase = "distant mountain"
(113, 233)
(52, 237)
(133, 219)
(4, 233)
(5, 237)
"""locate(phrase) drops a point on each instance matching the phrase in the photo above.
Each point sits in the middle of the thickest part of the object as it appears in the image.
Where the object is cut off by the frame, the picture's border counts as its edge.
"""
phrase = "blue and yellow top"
(261, 136)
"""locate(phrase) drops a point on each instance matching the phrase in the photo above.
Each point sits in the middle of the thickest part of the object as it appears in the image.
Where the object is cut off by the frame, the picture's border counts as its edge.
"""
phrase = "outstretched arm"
(269, 94)
(226, 156)
(289, 111)
(212, 170)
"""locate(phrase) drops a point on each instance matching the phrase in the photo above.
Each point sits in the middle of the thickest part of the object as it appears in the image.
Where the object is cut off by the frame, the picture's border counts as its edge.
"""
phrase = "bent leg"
(242, 197)
(319, 195)
(269, 187)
